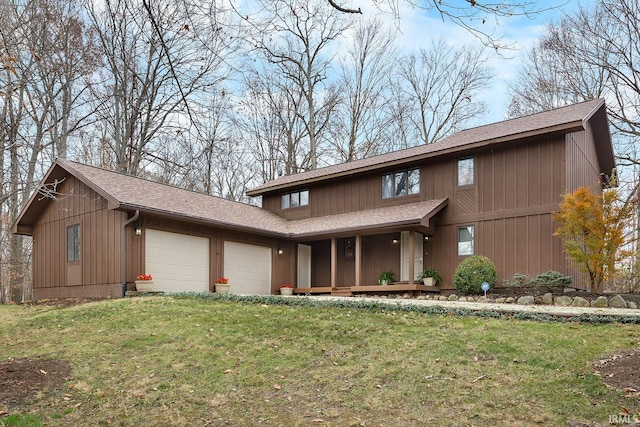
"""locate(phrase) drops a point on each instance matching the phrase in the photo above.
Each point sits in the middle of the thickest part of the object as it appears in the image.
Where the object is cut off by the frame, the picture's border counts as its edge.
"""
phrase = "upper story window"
(295, 199)
(73, 243)
(465, 171)
(401, 183)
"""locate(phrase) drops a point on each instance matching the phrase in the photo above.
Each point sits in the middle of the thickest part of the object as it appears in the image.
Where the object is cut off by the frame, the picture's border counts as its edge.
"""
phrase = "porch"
(414, 289)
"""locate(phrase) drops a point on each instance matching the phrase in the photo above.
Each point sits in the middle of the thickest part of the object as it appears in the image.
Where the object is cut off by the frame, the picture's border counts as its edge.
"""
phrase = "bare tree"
(480, 19)
(294, 36)
(440, 86)
(47, 54)
(270, 117)
(360, 127)
(593, 53)
(158, 62)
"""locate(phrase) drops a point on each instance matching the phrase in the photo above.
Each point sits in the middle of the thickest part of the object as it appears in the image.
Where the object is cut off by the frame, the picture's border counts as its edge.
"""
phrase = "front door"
(304, 266)
(406, 257)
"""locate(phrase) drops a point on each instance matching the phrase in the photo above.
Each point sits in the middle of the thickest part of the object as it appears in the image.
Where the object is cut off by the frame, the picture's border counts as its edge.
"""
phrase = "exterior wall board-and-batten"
(521, 169)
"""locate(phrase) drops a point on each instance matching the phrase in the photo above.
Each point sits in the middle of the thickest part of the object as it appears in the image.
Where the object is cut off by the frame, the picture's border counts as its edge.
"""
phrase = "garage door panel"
(248, 268)
(177, 262)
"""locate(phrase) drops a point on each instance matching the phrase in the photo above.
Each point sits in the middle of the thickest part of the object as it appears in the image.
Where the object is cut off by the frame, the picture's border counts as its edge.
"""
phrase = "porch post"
(412, 256)
(334, 262)
(358, 258)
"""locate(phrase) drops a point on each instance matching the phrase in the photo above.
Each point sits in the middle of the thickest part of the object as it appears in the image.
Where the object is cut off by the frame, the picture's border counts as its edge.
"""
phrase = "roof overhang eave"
(567, 127)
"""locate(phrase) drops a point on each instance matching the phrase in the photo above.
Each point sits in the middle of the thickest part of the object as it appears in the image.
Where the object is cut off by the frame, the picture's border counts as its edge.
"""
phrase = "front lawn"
(192, 361)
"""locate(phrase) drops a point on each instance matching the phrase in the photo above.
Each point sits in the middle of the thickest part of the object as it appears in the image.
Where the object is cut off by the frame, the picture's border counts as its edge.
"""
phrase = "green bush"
(551, 281)
(472, 271)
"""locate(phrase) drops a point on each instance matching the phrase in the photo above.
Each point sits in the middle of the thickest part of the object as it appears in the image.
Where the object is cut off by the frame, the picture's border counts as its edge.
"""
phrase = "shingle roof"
(567, 119)
(125, 192)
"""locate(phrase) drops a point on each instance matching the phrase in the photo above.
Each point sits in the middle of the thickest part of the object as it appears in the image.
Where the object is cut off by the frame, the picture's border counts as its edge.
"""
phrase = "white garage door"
(177, 262)
(248, 268)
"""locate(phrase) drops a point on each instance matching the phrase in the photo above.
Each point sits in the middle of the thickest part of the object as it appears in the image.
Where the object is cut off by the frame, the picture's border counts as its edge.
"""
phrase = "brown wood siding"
(582, 167)
(100, 261)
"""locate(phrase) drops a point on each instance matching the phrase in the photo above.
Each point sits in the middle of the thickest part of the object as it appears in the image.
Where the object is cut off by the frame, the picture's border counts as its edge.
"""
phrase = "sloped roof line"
(125, 192)
(569, 118)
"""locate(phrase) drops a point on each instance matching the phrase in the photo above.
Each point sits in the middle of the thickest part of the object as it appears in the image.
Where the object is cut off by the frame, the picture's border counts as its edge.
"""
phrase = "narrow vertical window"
(387, 185)
(401, 183)
(465, 171)
(304, 198)
(73, 243)
(465, 240)
(284, 204)
(413, 181)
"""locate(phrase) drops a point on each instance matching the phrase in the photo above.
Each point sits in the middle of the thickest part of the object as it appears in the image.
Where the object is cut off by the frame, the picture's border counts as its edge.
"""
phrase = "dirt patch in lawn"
(22, 379)
(620, 371)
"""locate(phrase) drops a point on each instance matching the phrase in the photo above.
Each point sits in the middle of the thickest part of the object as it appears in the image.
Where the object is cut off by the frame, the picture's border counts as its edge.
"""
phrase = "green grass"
(192, 361)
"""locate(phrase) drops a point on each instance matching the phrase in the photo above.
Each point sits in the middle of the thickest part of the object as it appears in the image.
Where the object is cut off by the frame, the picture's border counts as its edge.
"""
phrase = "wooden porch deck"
(415, 289)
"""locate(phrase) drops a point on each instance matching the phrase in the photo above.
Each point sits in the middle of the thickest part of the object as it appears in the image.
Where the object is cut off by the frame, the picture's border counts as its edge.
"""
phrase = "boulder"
(547, 299)
(483, 299)
(631, 304)
(580, 302)
(501, 300)
(510, 300)
(526, 300)
(617, 302)
(563, 300)
(600, 302)
(453, 297)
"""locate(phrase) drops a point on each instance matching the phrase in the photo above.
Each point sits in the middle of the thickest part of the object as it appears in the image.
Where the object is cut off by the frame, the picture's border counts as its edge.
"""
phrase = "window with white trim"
(466, 240)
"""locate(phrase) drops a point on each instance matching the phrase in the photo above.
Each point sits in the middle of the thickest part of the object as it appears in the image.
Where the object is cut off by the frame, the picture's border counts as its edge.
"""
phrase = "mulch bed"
(21, 379)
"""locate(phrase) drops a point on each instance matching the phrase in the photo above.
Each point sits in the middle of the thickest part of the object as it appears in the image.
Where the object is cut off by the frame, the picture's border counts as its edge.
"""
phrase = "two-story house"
(489, 190)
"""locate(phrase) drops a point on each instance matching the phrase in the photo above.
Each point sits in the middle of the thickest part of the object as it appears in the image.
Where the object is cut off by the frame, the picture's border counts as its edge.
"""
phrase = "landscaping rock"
(510, 300)
(483, 299)
(547, 299)
(501, 300)
(617, 302)
(443, 298)
(453, 297)
(601, 302)
(563, 300)
(580, 302)
(526, 300)
(631, 304)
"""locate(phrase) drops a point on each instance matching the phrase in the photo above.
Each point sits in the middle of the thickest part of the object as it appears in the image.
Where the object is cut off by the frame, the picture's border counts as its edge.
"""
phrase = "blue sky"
(419, 28)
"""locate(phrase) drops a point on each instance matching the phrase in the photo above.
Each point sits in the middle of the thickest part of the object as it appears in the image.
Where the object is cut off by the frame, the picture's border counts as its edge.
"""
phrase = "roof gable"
(562, 120)
(128, 193)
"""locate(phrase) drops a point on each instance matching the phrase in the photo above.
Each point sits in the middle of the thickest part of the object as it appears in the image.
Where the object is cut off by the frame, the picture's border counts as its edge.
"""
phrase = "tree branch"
(342, 9)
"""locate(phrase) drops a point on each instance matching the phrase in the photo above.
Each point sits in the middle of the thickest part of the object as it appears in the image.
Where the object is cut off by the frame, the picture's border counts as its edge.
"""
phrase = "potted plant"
(222, 285)
(430, 277)
(144, 283)
(286, 289)
(386, 277)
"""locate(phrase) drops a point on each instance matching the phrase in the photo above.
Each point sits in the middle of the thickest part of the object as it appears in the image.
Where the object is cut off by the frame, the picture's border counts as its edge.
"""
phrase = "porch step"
(341, 292)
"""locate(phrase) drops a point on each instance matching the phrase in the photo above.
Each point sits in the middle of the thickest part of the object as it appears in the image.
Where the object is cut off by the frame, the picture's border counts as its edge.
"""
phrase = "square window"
(465, 171)
(465, 240)
(73, 243)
